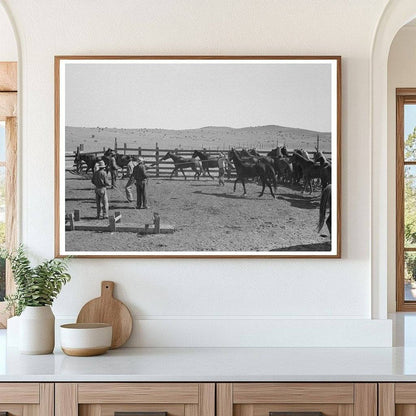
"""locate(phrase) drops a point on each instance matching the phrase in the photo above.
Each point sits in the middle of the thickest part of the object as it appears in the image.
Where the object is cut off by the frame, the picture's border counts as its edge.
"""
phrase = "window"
(406, 199)
(8, 171)
(2, 207)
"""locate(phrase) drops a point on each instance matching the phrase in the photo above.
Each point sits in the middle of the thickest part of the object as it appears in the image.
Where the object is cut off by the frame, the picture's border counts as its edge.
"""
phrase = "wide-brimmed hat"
(101, 164)
(140, 159)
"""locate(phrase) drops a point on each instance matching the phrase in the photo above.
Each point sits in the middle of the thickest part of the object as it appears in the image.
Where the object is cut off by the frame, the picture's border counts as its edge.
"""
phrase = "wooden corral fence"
(153, 156)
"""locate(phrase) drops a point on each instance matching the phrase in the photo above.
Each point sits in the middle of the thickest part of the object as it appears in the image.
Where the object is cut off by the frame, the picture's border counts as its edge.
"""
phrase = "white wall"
(401, 74)
(179, 302)
(8, 47)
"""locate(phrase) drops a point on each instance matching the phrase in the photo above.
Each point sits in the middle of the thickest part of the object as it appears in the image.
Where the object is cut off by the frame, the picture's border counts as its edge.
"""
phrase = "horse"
(309, 169)
(89, 159)
(182, 163)
(320, 158)
(326, 168)
(305, 154)
(275, 153)
(207, 161)
(284, 151)
(259, 169)
(121, 160)
(282, 165)
(326, 198)
(284, 170)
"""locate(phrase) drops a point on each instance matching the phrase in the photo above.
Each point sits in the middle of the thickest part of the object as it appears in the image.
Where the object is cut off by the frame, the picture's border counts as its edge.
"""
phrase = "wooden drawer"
(27, 399)
(105, 399)
(331, 399)
(397, 399)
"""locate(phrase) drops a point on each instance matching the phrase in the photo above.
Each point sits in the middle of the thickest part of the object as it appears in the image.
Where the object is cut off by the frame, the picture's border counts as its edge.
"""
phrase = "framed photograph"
(198, 156)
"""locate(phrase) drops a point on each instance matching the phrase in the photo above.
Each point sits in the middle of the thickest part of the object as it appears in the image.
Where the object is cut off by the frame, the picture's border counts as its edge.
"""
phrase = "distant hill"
(210, 137)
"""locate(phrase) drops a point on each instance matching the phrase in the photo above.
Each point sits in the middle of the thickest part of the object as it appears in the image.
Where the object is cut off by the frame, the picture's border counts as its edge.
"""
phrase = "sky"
(189, 95)
(409, 119)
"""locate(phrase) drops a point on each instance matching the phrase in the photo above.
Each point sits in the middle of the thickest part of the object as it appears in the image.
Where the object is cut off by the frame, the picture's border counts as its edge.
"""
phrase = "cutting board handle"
(107, 289)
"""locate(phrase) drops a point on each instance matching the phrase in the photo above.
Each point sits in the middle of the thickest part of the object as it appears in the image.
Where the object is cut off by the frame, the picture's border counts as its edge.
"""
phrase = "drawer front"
(397, 399)
(26, 399)
(144, 399)
(296, 399)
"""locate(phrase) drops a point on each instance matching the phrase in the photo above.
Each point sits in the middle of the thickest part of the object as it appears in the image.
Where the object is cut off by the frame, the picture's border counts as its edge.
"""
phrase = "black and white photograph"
(198, 156)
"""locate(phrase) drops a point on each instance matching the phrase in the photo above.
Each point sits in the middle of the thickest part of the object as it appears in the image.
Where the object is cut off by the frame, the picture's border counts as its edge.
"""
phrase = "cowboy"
(139, 176)
(97, 163)
(100, 180)
(113, 168)
(222, 165)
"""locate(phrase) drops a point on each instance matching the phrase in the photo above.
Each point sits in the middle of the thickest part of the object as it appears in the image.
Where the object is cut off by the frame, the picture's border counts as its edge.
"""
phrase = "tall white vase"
(37, 330)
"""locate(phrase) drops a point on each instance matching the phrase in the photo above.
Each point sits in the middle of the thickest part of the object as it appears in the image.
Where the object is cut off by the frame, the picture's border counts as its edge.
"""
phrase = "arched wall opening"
(396, 15)
(8, 44)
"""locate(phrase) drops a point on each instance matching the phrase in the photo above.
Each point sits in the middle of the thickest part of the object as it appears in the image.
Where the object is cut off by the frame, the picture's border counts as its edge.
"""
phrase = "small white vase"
(37, 330)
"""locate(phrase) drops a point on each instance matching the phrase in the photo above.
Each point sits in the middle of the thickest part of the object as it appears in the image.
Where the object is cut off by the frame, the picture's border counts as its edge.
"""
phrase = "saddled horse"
(310, 170)
(253, 169)
(182, 163)
(89, 159)
(326, 199)
(207, 161)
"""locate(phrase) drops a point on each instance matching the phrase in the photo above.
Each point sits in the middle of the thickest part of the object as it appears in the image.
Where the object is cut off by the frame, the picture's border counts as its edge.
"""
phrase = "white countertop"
(213, 364)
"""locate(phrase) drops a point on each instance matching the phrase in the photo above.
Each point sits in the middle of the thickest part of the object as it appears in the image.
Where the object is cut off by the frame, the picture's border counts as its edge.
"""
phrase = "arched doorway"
(396, 14)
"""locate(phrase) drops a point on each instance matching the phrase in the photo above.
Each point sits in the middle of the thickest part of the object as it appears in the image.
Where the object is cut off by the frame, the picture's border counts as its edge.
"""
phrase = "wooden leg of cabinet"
(66, 400)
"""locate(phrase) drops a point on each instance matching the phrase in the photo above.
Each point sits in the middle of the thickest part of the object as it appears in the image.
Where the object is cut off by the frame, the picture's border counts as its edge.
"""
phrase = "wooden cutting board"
(107, 309)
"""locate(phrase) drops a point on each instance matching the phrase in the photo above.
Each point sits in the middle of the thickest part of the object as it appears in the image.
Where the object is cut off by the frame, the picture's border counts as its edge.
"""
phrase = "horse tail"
(325, 199)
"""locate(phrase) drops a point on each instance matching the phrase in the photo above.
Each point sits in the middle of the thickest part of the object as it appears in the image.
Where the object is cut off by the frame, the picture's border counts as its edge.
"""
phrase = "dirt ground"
(206, 217)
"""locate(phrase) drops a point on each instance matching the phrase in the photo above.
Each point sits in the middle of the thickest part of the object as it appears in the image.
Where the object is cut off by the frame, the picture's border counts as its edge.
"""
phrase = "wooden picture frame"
(94, 105)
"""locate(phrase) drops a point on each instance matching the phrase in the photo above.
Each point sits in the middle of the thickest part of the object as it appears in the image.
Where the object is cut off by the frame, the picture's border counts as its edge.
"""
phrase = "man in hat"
(222, 164)
(100, 180)
(113, 168)
(139, 176)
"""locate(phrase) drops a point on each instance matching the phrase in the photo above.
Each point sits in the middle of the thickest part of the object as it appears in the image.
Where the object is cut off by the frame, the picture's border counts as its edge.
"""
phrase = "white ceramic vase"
(37, 330)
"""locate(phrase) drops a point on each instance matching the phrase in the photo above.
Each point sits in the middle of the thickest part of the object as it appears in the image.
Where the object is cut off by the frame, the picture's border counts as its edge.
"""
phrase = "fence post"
(115, 144)
(157, 159)
(78, 163)
(81, 147)
(103, 149)
(125, 148)
(140, 150)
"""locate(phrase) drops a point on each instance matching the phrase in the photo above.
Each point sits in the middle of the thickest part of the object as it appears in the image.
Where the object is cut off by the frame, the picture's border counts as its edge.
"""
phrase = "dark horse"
(89, 159)
(182, 163)
(253, 169)
(207, 162)
(310, 170)
(281, 164)
(121, 160)
(326, 198)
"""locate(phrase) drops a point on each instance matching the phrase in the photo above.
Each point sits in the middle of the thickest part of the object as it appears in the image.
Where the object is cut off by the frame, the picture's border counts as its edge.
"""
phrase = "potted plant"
(36, 289)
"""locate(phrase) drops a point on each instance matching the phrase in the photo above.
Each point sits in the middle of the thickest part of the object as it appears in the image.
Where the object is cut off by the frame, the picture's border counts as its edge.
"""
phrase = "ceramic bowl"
(84, 340)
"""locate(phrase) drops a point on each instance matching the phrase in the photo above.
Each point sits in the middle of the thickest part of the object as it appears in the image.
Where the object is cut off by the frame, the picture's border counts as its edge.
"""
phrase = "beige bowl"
(84, 340)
